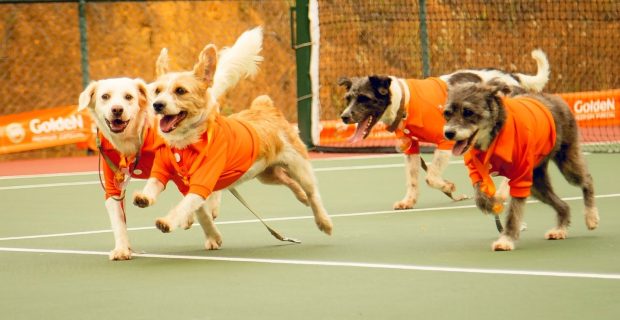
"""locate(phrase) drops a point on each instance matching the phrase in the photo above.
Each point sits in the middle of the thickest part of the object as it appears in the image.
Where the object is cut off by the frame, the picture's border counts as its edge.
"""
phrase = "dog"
(128, 139)
(212, 152)
(412, 109)
(516, 137)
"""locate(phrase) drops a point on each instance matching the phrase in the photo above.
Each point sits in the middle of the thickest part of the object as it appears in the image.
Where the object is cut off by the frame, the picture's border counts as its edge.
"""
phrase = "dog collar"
(401, 113)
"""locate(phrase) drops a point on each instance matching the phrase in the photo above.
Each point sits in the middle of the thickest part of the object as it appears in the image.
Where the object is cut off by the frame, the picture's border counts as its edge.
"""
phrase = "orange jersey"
(142, 169)
(424, 120)
(214, 162)
(527, 137)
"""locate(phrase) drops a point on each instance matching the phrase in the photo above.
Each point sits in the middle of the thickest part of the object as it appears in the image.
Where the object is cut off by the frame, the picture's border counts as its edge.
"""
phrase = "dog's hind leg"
(278, 175)
(300, 170)
(573, 167)
(513, 226)
(441, 159)
(542, 190)
(412, 168)
(212, 234)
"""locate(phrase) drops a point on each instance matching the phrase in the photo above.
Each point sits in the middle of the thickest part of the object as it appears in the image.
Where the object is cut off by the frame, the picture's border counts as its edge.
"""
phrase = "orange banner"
(594, 108)
(45, 128)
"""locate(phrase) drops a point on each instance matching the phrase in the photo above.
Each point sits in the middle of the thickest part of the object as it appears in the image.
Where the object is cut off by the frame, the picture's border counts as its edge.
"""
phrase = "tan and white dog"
(128, 138)
(212, 152)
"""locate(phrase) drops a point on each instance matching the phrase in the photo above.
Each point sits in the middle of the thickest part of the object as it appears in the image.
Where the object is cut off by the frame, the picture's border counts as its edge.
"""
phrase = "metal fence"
(50, 49)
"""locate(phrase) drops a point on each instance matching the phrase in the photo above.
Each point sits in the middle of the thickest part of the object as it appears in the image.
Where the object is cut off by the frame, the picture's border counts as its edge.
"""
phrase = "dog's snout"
(117, 111)
(346, 117)
(159, 106)
(449, 134)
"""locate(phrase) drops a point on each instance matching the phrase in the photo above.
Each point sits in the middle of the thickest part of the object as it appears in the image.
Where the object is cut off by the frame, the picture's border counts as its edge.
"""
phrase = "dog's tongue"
(118, 125)
(359, 131)
(168, 123)
(459, 148)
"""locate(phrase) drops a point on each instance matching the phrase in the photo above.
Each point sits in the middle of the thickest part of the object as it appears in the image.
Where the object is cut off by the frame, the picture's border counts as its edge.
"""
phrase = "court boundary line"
(340, 215)
(385, 266)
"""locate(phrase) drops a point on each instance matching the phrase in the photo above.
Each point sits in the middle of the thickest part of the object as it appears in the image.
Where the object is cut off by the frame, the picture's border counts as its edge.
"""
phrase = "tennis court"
(432, 262)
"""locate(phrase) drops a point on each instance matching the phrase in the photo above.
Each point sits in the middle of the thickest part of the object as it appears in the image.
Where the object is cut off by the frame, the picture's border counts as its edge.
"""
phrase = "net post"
(83, 43)
(303, 46)
(426, 68)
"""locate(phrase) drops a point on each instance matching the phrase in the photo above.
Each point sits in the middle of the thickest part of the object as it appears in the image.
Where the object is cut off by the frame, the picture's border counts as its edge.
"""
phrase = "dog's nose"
(449, 134)
(159, 106)
(346, 118)
(117, 111)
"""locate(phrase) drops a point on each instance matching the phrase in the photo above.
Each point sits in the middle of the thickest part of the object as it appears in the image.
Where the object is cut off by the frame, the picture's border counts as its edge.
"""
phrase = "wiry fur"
(475, 113)
(282, 157)
(378, 97)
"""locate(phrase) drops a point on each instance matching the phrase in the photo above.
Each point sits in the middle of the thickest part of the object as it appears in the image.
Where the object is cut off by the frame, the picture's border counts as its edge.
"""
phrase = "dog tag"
(137, 172)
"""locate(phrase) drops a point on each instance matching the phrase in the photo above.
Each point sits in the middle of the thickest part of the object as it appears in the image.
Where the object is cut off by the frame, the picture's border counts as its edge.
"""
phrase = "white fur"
(530, 82)
(396, 95)
(122, 250)
(241, 60)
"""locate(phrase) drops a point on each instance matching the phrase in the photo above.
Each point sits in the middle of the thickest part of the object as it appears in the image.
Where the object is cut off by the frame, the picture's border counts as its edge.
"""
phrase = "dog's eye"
(447, 114)
(180, 91)
(467, 113)
(128, 97)
(157, 91)
(105, 96)
(363, 99)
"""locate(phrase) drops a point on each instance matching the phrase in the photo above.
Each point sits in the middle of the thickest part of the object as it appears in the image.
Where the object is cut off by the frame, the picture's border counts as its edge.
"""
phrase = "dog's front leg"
(513, 226)
(181, 213)
(121, 251)
(412, 167)
(441, 159)
(147, 197)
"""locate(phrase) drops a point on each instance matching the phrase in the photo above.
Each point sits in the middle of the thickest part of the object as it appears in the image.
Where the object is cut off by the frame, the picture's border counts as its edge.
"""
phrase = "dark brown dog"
(516, 137)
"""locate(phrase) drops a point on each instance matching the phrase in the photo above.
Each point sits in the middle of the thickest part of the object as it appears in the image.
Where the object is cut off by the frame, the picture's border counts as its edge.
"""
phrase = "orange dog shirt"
(114, 184)
(225, 152)
(424, 120)
(527, 137)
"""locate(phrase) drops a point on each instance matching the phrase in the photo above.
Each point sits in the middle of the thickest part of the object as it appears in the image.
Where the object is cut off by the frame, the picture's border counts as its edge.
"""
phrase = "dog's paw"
(592, 218)
(556, 234)
(325, 224)
(120, 254)
(460, 197)
(141, 200)
(164, 225)
(503, 244)
(188, 223)
(448, 187)
(213, 242)
(404, 204)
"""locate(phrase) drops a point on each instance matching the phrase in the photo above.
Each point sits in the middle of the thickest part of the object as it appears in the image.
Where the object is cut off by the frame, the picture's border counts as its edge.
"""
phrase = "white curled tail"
(536, 82)
(240, 60)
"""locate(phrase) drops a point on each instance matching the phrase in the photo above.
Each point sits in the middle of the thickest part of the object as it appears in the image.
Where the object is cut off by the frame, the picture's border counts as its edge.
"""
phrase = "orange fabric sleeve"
(203, 181)
(161, 166)
(110, 185)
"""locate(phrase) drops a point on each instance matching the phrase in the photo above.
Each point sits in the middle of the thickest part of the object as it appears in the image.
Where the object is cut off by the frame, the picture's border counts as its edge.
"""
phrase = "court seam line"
(341, 215)
(588, 275)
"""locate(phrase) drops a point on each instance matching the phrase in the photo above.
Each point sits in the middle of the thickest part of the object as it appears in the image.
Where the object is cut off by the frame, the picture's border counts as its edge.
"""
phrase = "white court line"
(48, 175)
(341, 215)
(385, 266)
(79, 183)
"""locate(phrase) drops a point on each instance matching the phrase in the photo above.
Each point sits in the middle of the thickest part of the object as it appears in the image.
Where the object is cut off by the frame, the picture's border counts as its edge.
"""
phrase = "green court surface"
(432, 262)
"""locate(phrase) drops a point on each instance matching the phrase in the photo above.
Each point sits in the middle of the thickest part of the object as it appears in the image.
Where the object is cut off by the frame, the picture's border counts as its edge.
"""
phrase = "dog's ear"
(499, 88)
(86, 97)
(161, 66)
(381, 84)
(207, 62)
(346, 82)
(143, 92)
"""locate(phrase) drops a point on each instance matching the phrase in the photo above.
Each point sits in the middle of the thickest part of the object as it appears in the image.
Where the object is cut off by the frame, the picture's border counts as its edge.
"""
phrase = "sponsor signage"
(44, 128)
(596, 108)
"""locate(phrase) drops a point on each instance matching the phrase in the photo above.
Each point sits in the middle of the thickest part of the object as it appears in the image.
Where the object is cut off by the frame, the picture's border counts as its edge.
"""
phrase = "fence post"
(83, 43)
(303, 46)
(426, 68)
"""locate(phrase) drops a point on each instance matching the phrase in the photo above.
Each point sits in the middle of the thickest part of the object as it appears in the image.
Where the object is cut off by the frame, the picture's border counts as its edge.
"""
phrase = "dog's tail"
(536, 82)
(240, 60)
